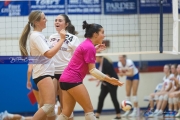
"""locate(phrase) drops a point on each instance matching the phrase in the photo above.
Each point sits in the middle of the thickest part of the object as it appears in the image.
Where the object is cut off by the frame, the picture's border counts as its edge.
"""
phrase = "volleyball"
(126, 105)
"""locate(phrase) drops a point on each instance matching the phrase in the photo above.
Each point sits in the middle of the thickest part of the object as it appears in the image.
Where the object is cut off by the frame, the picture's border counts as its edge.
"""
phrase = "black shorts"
(57, 76)
(67, 86)
(36, 80)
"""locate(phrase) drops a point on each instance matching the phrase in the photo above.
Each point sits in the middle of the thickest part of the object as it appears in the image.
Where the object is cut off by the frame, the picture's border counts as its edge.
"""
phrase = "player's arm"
(169, 86)
(29, 73)
(121, 72)
(176, 81)
(129, 72)
(50, 53)
(101, 76)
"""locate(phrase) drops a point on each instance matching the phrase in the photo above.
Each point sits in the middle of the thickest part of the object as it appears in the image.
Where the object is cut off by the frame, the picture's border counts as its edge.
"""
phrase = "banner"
(14, 8)
(84, 7)
(49, 7)
(120, 6)
(153, 6)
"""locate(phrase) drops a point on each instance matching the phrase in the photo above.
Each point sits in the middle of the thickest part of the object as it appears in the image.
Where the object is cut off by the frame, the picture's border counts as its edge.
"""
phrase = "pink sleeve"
(90, 55)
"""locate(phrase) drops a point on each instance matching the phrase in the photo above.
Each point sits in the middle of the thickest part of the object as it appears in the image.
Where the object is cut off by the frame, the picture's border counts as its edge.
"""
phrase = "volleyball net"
(130, 28)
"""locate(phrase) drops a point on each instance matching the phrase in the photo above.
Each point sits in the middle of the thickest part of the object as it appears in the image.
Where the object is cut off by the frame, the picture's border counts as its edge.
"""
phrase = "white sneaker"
(158, 114)
(126, 114)
(152, 114)
(135, 113)
(178, 114)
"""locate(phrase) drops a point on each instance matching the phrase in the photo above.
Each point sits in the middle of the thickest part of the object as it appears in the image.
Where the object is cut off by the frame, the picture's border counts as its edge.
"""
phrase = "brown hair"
(70, 28)
(34, 16)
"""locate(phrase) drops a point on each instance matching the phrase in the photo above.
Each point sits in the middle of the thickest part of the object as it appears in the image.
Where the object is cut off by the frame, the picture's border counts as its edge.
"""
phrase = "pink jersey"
(78, 66)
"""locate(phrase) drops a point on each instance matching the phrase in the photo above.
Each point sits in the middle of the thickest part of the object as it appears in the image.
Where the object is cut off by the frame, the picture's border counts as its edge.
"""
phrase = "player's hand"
(62, 34)
(115, 81)
(100, 47)
(29, 85)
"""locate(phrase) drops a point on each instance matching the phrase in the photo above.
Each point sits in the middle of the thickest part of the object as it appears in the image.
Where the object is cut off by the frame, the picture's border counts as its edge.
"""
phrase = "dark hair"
(90, 29)
(124, 56)
(33, 16)
(70, 28)
(169, 67)
(175, 65)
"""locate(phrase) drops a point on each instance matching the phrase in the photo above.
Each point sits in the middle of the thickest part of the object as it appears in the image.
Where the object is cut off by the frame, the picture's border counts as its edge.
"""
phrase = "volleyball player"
(174, 98)
(83, 60)
(127, 68)
(42, 73)
(167, 85)
(63, 56)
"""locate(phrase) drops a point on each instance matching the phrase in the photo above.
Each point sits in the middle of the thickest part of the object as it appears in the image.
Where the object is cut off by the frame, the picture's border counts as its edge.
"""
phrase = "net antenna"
(175, 26)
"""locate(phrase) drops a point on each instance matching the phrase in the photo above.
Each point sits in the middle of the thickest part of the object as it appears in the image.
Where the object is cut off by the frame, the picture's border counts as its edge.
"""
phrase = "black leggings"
(105, 89)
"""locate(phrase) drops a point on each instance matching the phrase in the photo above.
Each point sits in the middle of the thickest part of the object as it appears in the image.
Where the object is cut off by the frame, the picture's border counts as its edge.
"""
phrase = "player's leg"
(128, 93)
(103, 93)
(9, 116)
(46, 89)
(135, 84)
(176, 101)
(55, 82)
(113, 94)
(69, 102)
(36, 94)
(81, 95)
(163, 98)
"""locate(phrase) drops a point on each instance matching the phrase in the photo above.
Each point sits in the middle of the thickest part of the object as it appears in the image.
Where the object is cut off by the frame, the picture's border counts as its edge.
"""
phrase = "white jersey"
(129, 64)
(63, 56)
(38, 46)
(167, 81)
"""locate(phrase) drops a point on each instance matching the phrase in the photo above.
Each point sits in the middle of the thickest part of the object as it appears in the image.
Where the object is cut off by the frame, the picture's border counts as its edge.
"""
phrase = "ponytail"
(90, 29)
(71, 29)
(23, 40)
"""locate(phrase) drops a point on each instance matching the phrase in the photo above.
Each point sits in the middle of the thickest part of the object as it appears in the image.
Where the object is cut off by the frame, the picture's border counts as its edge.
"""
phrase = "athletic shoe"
(116, 118)
(149, 112)
(135, 113)
(158, 114)
(126, 114)
(173, 114)
(178, 114)
(151, 115)
(170, 114)
(97, 117)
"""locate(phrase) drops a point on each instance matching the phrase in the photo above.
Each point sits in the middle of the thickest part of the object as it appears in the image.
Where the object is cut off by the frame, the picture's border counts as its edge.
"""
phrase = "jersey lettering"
(68, 39)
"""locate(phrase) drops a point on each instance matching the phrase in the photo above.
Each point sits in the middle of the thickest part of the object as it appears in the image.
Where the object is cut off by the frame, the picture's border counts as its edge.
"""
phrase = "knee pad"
(165, 97)
(156, 97)
(135, 98)
(160, 98)
(170, 101)
(49, 109)
(90, 116)
(128, 98)
(62, 117)
(72, 115)
(175, 100)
